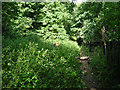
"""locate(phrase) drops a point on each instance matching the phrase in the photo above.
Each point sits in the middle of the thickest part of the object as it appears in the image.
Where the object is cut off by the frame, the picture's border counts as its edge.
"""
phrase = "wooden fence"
(113, 59)
(113, 53)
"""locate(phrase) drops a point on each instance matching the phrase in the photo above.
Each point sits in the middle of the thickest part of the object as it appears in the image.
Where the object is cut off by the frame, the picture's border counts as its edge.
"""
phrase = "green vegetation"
(34, 63)
(30, 29)
(102, 73)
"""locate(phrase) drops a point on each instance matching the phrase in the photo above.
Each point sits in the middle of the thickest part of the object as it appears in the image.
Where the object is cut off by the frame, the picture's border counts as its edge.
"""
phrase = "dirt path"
(88, 75)
(87, 72)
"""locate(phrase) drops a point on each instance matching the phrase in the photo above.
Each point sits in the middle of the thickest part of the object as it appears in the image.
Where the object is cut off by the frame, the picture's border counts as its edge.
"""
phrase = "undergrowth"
(98, 62)
(31, 62)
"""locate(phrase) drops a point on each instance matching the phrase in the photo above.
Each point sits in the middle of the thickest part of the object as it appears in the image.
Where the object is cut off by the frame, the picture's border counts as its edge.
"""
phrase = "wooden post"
(103, 39)
(103, 32)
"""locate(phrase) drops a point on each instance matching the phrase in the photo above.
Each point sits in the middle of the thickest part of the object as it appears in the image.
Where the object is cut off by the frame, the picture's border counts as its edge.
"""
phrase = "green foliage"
(34, 63)
(112, 24)
(88, 21)
(61, 19)
(14, 21)
(54, 21)
(92, 16)
(22, 24)
(51, 22)
(9, 14)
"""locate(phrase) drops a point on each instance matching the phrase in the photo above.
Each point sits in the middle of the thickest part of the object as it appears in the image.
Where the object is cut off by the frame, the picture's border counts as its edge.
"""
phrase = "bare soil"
(88, 75)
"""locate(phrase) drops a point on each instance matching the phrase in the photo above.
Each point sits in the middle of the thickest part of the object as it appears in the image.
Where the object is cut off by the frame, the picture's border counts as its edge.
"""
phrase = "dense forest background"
(30, 30)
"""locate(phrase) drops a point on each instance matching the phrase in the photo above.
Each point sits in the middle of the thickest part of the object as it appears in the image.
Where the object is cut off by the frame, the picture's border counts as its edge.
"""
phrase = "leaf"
(74, 73)
(28, 79)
